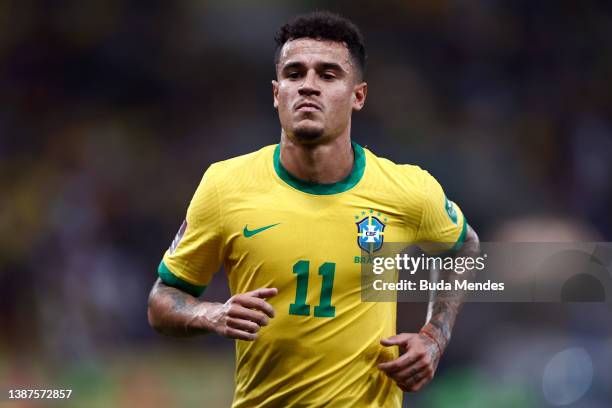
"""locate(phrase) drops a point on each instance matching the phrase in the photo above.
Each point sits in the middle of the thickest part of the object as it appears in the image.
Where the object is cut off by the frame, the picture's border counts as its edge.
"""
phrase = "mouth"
(307, 107)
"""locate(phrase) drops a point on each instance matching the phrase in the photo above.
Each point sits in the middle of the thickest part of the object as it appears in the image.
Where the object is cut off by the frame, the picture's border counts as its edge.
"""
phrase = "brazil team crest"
(370, 231)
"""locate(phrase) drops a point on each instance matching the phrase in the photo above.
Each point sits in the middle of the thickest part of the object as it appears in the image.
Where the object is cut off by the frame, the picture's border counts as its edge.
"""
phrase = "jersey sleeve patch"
(171, 279)
(461, 238)
(450, 210)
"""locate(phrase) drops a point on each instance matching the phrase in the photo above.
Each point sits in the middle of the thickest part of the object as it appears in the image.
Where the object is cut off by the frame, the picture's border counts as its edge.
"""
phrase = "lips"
(307, 106)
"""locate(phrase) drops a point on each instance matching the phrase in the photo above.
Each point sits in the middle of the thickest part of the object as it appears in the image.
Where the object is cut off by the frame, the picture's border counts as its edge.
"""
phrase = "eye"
(293, 75)
(328, 76)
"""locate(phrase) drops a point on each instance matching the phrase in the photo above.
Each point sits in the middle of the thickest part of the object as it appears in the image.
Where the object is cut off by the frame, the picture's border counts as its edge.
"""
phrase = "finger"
(418, 369)
(393, 340)
(245, 325)
(399, 363)
(263, 293)
(241, 312)
(409, 384)
(251, 302)
(239, 334)
(416, 385)
(414, 378)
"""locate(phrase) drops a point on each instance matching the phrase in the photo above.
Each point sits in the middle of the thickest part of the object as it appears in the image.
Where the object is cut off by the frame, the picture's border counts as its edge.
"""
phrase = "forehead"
(308, 50)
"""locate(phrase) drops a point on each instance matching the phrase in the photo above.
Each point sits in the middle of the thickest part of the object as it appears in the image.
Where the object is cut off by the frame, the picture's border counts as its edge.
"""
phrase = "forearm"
(443, 309)
(177, 313)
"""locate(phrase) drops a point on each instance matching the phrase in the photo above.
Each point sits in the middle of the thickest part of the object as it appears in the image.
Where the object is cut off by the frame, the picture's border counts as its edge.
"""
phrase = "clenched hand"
(417, 363)
(244, 314)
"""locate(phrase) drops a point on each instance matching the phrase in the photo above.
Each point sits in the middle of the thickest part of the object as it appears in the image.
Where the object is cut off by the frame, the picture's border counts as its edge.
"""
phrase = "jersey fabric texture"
(270, 229)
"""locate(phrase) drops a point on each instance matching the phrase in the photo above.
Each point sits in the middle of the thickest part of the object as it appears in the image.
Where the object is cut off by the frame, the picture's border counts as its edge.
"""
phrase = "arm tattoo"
(179, 299)
(173, 312)
(445, 305)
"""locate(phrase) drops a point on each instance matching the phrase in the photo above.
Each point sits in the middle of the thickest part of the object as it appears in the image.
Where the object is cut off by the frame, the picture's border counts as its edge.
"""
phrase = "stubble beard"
(308, 134)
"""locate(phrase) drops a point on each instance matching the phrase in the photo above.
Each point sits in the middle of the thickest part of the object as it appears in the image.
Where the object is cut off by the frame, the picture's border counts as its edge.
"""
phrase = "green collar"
(323, 189)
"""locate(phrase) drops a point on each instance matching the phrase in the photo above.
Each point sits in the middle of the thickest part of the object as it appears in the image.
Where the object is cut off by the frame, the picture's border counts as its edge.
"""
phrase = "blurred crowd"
(112, 110)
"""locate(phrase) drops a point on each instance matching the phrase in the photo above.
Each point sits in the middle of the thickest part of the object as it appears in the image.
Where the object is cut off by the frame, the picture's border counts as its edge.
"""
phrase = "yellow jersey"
(270, 229)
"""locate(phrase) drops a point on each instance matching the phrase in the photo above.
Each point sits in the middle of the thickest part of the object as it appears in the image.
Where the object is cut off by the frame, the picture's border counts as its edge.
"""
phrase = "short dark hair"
(324, 25)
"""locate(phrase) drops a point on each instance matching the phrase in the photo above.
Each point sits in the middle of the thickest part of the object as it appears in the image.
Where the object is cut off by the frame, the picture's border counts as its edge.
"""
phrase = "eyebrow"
(323, 66)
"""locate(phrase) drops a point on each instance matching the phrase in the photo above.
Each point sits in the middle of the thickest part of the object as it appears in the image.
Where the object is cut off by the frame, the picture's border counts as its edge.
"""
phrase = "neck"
(324, 163)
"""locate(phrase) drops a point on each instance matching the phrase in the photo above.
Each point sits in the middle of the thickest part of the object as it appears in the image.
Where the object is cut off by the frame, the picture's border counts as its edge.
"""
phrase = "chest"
(269, 234)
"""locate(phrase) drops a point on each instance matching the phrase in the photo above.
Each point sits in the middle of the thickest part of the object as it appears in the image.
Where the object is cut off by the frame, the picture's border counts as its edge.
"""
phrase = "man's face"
(317, 89)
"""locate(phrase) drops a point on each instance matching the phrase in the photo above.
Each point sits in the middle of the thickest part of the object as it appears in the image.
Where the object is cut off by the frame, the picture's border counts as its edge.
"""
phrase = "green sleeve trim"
(461, 238)
(171, 279)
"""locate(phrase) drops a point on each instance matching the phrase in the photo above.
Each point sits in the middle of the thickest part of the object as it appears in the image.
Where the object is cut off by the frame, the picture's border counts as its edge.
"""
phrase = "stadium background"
(111, 110)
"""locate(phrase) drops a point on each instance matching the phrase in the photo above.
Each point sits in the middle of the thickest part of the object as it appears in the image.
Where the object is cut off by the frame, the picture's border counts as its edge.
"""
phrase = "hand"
(417, 363)
(244, 314)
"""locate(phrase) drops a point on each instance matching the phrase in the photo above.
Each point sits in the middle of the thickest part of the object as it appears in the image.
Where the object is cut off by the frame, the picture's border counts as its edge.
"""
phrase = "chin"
(308, 133)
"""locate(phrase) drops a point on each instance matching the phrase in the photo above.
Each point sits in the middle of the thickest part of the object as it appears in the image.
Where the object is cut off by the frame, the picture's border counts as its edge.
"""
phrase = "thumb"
(393, 341)
(264, 293)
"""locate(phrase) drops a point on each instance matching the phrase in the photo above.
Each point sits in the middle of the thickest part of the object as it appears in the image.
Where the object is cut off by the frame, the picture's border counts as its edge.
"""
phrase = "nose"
(309, 86)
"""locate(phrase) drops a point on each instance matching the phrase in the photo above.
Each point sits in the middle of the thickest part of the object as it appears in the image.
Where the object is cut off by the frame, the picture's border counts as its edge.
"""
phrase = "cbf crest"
(370, 230)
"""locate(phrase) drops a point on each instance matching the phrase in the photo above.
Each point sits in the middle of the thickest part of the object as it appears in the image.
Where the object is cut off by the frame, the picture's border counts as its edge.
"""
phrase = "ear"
(275, 93)
(359, 95)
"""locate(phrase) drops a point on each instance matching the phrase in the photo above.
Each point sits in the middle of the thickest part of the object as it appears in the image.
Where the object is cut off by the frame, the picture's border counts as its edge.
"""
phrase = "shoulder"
(232, 177)
(409, 177)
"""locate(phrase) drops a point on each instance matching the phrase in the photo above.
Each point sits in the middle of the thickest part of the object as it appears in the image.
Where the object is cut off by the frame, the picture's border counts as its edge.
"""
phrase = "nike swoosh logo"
(249, 233)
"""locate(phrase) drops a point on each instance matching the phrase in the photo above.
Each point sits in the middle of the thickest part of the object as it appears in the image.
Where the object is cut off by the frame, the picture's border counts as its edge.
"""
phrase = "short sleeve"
(442, 222)
(195, 255)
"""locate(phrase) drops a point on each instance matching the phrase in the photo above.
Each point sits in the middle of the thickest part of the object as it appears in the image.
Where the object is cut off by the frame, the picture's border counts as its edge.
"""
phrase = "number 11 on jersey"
(325, 308)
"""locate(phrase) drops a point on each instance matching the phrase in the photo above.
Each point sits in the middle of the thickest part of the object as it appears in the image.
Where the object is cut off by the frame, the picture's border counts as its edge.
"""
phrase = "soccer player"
(288, 223)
